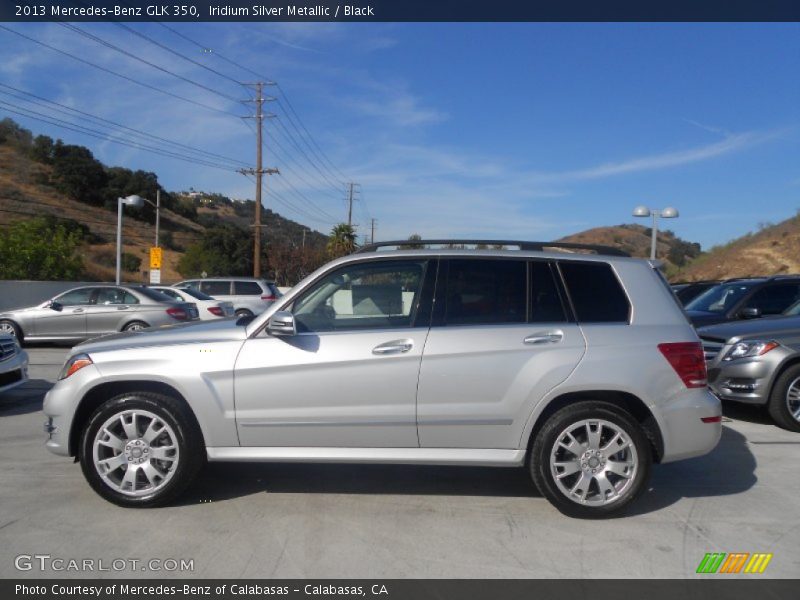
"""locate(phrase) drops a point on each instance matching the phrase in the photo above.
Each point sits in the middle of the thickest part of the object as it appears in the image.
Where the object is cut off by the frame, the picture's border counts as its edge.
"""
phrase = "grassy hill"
(27, 190)
(773, 250)
(635, 240)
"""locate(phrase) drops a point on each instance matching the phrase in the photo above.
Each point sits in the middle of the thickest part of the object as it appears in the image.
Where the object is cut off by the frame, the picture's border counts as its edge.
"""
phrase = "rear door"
(500, 339)
(110, 306)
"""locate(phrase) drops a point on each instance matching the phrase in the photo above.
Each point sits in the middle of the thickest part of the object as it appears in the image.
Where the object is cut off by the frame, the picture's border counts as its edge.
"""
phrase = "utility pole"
(350, 206)
(304, 237)
(259, 172)
(158, 212)
(372, 237)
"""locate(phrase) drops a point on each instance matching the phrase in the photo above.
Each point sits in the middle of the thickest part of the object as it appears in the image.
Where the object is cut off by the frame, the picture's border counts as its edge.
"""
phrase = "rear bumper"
(685, 433)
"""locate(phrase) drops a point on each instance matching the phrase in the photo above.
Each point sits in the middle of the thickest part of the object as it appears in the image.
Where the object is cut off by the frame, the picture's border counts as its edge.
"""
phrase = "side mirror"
(750, 313)
(56, 306)
(282, 323)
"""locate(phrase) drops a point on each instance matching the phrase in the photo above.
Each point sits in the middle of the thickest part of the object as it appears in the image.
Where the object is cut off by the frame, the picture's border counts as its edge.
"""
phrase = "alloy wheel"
(793, 399)
(135, 452)
(593, 462)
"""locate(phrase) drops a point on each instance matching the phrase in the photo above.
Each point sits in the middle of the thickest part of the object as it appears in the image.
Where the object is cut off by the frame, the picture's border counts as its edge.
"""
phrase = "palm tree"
(342, 240)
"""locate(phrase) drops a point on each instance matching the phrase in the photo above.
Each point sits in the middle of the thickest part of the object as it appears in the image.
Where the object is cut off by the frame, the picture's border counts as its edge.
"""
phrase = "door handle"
(123, 307)
(393, 347)
(77, 310)
(549, 337)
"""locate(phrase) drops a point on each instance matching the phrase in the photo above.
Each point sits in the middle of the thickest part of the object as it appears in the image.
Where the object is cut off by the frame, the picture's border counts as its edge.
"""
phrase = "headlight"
(750, 349)
(74, 364)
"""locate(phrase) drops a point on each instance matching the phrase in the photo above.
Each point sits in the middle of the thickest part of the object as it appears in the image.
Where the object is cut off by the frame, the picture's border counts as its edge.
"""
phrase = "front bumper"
(746, 380)
(60, 404)
(14, 371)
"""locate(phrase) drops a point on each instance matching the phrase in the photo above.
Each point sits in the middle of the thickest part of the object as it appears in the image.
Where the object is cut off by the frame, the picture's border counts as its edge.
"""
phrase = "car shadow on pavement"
(729, 469)
(220, 481)
(752, 413)
(26, 398)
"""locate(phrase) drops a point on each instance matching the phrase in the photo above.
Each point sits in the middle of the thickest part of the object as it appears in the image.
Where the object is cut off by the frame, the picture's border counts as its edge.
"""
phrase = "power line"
(113, 123)
(29, 113)
(108, 44)
(116, 74)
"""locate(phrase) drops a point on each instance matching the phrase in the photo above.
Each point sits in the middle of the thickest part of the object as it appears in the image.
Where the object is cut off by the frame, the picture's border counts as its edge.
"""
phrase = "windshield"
(720, 298)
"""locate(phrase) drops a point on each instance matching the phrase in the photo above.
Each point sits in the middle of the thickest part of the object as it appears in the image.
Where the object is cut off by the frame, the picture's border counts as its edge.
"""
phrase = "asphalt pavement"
(331, 521)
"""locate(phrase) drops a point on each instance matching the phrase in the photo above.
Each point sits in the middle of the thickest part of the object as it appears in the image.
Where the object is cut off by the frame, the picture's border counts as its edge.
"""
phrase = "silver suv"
(249, 295)
(581, 368)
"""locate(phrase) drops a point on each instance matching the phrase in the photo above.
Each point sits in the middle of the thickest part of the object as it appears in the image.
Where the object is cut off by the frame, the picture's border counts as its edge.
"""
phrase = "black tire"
(243, 312)
(135, 326)
(16, 331)
(778, 405)
(191, 454)
(547, 439)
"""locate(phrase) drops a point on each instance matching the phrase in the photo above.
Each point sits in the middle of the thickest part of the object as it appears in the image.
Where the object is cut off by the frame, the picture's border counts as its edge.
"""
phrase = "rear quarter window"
(595, 292)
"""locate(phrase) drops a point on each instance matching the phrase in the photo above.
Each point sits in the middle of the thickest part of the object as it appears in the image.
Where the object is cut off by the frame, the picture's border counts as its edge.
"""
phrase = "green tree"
(415, 237)
(342, 240)
(42, 149)
(224, 250)
(77, 174)
(38, 249)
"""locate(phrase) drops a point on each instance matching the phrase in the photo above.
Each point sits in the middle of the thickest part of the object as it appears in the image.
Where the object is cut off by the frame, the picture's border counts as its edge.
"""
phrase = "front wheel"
(141, 450)
(8, 327)
(590, 459)
(784, 402)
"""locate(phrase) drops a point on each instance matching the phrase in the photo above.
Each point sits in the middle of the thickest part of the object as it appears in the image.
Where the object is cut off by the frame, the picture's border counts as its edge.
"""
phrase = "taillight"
(216, 311)
(178, 313)
(688, 361)
(270, 297)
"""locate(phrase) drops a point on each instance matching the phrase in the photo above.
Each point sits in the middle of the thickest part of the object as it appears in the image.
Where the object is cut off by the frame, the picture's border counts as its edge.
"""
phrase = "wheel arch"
(105, 391)
(628, 402)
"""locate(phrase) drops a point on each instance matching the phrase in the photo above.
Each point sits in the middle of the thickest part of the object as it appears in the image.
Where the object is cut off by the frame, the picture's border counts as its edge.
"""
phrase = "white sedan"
(208, 307)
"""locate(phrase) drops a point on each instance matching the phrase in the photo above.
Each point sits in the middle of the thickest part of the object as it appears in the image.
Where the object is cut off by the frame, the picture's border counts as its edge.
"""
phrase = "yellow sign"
(155, 258)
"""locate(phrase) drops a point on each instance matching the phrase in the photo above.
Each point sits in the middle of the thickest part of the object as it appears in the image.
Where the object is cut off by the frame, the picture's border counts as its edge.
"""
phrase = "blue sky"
(529, 131)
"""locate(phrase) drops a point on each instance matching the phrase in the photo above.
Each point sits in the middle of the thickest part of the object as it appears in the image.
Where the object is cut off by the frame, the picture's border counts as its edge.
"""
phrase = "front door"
(69, 320)
(501, 339)
(349, 376)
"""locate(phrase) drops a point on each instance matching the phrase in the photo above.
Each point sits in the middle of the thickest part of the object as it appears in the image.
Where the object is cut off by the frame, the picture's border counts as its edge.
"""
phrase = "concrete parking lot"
(393, 521)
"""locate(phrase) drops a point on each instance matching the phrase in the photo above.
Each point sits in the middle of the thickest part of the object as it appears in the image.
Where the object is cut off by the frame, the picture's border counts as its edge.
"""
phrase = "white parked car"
(13, 363)
(207, 307)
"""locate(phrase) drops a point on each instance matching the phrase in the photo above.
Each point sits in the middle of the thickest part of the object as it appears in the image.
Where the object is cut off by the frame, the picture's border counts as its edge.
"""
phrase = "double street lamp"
(137, 202)
(667, 213)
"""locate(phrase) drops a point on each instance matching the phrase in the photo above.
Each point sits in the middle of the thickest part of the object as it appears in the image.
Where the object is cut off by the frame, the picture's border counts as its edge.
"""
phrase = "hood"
(765, 327)
(699, 318)
(196, 332)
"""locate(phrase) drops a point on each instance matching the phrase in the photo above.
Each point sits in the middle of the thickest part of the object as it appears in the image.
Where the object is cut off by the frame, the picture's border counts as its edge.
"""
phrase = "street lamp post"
(136, 201)
(667, 213)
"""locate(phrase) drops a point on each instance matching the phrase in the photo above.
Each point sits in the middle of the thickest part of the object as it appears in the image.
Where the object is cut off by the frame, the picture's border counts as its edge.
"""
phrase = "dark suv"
(737, 299)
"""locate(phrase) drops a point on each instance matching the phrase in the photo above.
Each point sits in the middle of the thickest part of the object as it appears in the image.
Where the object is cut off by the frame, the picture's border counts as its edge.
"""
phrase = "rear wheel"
(243, 312)
(590, 459)
(135, 326)
(8, 327)
(141, 450)
(784, 402)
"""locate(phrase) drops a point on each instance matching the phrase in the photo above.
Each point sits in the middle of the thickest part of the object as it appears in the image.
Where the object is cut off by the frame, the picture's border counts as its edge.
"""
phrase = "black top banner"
(401, 10)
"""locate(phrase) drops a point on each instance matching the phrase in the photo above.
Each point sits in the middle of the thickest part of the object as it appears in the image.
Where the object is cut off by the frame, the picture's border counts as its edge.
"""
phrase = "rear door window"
(246, 288)
(546, 302)
(595, 292)
(486, 292)
(216, 288)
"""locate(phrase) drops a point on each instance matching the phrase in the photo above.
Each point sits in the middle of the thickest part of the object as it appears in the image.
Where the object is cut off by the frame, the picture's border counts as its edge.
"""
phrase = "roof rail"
(522, 245)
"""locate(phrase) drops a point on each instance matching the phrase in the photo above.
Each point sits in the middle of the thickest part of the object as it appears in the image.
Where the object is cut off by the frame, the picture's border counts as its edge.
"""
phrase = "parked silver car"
(13, 363)
(249, 295)
(583, 369)
(758, 362)
(86, 312)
